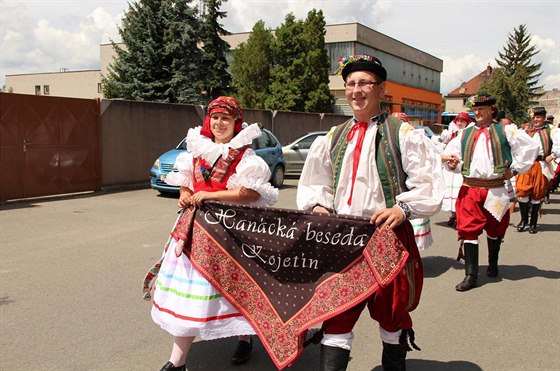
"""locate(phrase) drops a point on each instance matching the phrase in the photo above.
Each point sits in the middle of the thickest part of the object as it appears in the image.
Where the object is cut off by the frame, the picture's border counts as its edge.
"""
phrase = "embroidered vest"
(501, 151)
(546, 141)
(220, 172)
(387, 152)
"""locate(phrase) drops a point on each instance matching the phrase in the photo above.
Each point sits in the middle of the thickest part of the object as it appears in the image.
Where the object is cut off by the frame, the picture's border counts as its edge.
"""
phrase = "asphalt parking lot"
(71, 272)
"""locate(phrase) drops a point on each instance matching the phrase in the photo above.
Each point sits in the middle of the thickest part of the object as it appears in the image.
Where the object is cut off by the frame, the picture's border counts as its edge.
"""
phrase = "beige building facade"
(550, 100)
(73, 84)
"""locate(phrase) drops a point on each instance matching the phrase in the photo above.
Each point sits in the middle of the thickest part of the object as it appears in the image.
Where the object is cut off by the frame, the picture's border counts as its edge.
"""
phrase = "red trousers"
(473, 218)
(390, 306)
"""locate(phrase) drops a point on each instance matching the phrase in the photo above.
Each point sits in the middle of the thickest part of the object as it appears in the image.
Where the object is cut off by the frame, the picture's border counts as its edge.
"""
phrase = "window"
(99, 88)
(37, 89)
(46, 90)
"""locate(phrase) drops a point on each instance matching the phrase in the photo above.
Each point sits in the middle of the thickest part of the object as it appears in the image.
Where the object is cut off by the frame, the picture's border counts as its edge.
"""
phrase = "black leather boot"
(333, 358)
(493, 254)
(171, 367)
(393, 358)
(471, 268)
(242, 352)
(534, 217)
(524, 211)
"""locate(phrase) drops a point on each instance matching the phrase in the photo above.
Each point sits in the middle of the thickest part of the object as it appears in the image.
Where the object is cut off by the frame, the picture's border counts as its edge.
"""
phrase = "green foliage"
(250, 68)
(287, 71)
(4, 89)
(215, 79)
(514, 82)
(160, 56)
(317, 64)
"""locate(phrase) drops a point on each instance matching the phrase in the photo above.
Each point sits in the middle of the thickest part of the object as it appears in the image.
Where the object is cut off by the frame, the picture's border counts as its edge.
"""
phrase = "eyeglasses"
(361, 84)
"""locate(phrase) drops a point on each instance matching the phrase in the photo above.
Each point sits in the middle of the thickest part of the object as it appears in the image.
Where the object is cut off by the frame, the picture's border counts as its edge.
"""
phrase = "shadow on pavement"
(221, 350)
(435, 266)
(521, 272)
(424, 365)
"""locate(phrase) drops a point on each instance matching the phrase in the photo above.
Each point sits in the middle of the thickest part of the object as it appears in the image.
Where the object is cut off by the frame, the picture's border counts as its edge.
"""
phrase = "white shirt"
(523, 153)
(420, 162)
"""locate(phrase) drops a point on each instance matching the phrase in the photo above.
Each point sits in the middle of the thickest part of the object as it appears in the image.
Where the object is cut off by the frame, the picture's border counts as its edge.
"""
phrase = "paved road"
(71, 272)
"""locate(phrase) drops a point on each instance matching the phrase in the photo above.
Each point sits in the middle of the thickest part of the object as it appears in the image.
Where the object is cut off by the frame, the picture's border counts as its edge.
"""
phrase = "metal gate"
(48, 146)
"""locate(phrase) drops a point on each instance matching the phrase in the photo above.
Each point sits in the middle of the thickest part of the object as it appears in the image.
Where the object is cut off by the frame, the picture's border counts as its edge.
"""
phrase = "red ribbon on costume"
(360, 127)
(483, 130)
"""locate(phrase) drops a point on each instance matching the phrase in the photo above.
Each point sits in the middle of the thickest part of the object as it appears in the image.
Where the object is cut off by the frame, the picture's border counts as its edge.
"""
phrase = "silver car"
(295, 152)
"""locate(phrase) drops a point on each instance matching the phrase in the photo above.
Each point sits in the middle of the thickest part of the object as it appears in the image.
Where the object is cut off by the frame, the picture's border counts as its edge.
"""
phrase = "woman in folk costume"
(453, 181)
(219, 166)
(421, 226)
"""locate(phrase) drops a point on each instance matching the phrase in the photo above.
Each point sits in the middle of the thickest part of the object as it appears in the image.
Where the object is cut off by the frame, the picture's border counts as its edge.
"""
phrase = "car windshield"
(183, 144)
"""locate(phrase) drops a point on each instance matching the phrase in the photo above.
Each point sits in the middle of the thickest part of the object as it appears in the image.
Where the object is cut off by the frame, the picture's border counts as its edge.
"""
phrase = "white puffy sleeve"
(446, 136)
(555, 135)
(184, 174)
(252, 172)
(523, 150)
(422, 164)
(315, 184)
(454, 148)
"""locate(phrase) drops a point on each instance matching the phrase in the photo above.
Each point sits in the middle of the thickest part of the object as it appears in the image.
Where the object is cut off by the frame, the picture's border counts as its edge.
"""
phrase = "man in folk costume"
(379, 167)
(533, 186)
(490, 153)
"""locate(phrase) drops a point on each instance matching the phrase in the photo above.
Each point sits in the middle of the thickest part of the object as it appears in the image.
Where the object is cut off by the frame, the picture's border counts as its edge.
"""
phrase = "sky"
(47, 35)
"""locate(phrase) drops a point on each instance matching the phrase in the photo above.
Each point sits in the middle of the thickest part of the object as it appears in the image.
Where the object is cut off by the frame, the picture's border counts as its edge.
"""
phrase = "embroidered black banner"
(288, 270)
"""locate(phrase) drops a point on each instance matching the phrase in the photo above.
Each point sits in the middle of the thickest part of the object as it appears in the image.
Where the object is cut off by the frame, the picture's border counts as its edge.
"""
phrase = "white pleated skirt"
(186, 304)
(453, 183)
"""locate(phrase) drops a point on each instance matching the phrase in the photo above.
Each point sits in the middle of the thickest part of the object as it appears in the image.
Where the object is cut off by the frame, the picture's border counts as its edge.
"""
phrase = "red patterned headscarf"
(226, 105)
(463, 116)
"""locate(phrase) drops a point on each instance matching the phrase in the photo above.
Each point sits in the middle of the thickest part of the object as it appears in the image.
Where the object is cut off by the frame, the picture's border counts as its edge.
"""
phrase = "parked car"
(295, 152)
(267, 146)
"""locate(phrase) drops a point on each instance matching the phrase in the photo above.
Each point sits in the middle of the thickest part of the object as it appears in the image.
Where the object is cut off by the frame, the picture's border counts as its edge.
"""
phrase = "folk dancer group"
(373, 166)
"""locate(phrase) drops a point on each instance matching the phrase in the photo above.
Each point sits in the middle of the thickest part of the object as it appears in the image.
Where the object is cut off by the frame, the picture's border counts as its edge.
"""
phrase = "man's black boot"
(534, 218)
(524, 211)
(471, 268)
(493, 255)
(393, 358)
(333, 358)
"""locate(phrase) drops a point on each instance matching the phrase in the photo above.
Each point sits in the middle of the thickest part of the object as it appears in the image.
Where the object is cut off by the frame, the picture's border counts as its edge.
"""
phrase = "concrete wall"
(134, 134)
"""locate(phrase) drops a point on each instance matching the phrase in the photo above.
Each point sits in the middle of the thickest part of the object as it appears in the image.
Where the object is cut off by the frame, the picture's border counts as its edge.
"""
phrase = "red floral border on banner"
(383, 258)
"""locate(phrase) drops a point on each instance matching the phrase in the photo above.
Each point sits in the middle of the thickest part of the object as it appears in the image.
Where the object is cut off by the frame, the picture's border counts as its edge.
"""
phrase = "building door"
(48, 146)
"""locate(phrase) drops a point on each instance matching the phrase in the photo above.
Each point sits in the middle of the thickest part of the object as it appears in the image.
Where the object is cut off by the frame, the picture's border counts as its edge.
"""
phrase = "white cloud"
(459, 70)
(242, 15)
(544, 45)
(551, 81)
(36, 45)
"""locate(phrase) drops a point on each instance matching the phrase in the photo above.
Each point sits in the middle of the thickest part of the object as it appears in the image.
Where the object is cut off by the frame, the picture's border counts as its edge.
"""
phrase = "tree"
(215, 80)
(300, 76)
(250, 68)
(288, 69)
(317, 64)
(160, 54)
(514, 82)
